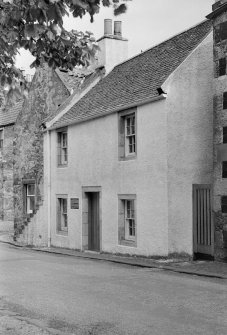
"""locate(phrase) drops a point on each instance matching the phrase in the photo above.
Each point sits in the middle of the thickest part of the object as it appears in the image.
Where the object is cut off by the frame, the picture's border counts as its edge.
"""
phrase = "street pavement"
(47, 293)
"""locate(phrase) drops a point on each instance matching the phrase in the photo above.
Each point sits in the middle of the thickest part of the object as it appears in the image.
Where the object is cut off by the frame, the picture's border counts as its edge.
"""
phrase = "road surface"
(42, 294)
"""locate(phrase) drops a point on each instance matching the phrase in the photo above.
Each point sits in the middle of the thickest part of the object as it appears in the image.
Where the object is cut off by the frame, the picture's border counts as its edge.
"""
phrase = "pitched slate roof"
(138, 78)
(9, 114)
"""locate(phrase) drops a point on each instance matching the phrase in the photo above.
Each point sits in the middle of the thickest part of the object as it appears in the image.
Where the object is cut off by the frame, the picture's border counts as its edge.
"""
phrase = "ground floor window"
(30, 198)
(62, 215)
(127, 219)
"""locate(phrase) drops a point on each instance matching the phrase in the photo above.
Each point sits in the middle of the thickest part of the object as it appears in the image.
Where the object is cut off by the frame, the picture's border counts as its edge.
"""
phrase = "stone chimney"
(113, 47)
(219, 21)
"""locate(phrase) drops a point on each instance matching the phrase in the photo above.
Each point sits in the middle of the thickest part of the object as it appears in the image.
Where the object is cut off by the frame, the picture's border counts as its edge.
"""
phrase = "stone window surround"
(60, 147)
(58, 223)
(122, 152)
(121, 220)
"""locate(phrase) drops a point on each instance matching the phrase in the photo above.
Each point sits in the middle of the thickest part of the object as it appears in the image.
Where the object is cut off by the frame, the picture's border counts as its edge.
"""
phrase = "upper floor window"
(224, 169)
(224, 134)
(225, 100)
(1, 138)
(127, 134)
(221, 32)
(62, 147)
(222, 67)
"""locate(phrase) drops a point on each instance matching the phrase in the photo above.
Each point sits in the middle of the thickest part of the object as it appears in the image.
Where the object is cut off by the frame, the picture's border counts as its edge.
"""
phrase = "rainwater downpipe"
(49, 188)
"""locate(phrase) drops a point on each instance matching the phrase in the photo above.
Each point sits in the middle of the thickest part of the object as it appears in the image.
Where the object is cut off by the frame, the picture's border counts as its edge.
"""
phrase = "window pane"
(225, 100)
(32, 203)
(64, 139)
(224, 134)
(222, 67)
(224, 204)
(31, 189)
(64, 205)
(65, 222)
(224, 169)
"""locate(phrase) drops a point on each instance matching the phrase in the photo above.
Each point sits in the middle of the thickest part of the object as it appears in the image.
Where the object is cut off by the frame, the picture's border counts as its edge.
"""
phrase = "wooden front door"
(203, 230)
(93, 221)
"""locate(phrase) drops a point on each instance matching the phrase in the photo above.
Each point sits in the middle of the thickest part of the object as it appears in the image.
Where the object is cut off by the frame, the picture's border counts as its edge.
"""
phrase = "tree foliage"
(37, 26)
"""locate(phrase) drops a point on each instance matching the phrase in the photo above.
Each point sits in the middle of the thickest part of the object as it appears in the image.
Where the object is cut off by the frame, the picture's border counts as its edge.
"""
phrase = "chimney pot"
(108, 27)
(117, 28)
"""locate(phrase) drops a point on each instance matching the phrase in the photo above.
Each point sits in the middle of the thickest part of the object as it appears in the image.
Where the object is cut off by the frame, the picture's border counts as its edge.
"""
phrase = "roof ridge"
(156, 45)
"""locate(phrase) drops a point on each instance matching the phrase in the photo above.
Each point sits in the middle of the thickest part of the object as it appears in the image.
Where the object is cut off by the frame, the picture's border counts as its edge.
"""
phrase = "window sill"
(128, 243)
(62, 166)
(62, 233)
(128, 158)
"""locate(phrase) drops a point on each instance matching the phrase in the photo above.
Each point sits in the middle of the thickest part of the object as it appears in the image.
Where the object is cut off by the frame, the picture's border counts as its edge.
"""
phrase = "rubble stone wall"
(220, 121)
(6, 177)
(47, 92)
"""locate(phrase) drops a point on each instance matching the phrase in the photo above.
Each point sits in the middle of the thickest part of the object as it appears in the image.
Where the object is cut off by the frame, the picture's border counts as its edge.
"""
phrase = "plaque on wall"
(74, 203)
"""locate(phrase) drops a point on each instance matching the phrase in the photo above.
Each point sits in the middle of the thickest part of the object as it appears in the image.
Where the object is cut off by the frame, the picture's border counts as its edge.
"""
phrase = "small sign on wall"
(74, 203)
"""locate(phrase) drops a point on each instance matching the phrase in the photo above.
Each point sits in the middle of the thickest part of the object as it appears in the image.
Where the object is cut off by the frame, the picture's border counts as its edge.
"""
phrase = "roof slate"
(138, 78)
(9, 115)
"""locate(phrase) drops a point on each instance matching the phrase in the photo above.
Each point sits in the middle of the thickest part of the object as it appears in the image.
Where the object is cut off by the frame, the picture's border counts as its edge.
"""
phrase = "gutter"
(118, 109)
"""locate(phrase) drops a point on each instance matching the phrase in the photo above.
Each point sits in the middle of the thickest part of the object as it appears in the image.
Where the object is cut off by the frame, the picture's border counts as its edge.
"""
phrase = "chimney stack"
(113, 47)
(108, 27)
(118, 28)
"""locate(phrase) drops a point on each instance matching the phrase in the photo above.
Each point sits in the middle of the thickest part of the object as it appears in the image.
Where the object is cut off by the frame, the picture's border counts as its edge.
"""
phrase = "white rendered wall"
(190, 140)
(93, 161)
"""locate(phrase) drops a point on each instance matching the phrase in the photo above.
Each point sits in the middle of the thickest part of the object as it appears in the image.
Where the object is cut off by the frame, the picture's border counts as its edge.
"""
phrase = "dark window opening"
(224, 204)
(1, 138)
(225, 100)
(224, 134)
(221, 32)
(222, 66)
(224, 169)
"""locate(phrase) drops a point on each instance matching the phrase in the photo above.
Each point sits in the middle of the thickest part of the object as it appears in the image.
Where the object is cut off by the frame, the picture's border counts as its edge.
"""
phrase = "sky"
(146, 23)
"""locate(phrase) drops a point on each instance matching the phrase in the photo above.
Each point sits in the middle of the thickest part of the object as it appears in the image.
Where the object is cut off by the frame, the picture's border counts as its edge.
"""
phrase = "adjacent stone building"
(8, 116)
(219, 19)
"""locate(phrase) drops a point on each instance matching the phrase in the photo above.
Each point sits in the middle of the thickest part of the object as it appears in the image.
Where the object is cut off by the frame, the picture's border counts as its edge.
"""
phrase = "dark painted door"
(93, 221)
(203, 231)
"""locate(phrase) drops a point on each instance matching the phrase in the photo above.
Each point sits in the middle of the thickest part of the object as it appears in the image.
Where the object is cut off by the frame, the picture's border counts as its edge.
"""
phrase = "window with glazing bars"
(130, 134)
(62, 216)
(30, 198)
(130, 225)
(62, 148)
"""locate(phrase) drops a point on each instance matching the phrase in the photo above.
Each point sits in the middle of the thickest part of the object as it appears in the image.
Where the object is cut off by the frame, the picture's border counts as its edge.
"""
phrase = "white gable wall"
(190, 140)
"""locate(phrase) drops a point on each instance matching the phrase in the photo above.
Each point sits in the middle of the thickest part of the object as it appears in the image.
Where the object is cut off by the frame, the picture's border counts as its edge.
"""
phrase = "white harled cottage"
(122, 158)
